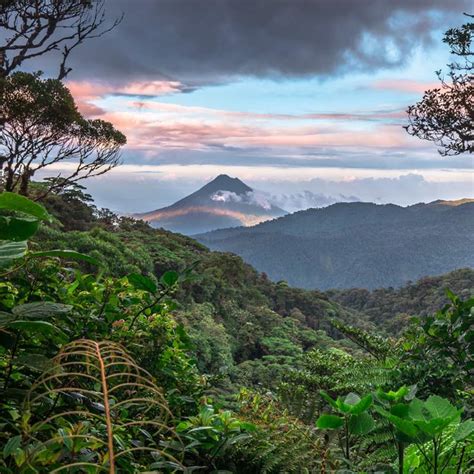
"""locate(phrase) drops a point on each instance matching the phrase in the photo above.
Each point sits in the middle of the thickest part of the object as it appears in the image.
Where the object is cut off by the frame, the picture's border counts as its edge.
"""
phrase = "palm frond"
(96, 407)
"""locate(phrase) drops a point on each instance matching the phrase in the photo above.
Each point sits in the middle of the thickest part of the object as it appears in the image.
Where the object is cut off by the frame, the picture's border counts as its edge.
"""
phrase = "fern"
(96, 410)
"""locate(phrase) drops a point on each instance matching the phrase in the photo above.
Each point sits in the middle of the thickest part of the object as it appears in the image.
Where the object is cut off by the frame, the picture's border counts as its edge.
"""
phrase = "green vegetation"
(356, 244)
(127, 349)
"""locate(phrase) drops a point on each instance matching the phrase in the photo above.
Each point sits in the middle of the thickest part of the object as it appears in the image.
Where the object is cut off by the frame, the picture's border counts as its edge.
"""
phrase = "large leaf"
(361, 424)
(407, 427)
(41, 327)
(34, 361)
(329, 422)
(362, 405)
(141, 282)
(15, 202)
(40, 309)
(10, 251)
(17, 228)
(464, 430)
(440, 407)
(169, 278)
(66, 254)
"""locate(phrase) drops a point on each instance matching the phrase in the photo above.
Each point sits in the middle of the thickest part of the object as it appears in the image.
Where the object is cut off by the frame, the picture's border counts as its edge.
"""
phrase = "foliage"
(281, 442)
(211, 436)
(352, 417)
(196, 323)
(37, 28)
(438, 351)
(445, 115)
(329, 248)
(93, 408)
(433, 426)
(42, 127)
(392, 308)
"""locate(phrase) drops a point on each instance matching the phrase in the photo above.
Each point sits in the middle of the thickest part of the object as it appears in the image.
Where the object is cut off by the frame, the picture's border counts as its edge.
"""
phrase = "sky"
(303, 100)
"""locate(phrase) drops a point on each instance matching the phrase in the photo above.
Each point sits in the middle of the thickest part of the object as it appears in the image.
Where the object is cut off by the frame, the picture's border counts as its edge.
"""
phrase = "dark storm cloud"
(206, 41)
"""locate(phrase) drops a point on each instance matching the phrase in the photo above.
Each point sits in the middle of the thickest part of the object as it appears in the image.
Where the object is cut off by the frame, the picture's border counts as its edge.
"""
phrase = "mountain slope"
(392, 308)
(224, 202)
(350, 245)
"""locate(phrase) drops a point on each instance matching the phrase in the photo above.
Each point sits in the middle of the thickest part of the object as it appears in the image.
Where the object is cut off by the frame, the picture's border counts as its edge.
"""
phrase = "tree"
(445, 115)
(43, 127)
(35, 28)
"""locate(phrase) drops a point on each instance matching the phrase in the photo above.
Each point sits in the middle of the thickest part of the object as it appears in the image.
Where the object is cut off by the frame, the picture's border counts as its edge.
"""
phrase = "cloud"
(211, 41)
(404, 85)
(140, 188)
(226, 196)
(308, 199)
(250, 197)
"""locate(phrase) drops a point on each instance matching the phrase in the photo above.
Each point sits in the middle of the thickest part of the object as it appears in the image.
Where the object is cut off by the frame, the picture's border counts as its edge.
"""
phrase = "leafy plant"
(212, 433)
(352, 417)
(95, 409)
(434, 426)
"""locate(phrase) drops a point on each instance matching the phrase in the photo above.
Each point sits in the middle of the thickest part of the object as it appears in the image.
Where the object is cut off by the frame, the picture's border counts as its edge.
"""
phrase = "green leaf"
(10, 251)
(326, 397)
(439, 407)
(391, 395)
(17, 228)
(400, 409)
(329, 422)
(42, 327)
(362, 405)
(248, 426)
(169, 278)
(464, 430)
(406, 427)
(40, 309)
(417, 410)
(67, 255)
(15, 202)
(352, 398)
(35, 361)
(141, 282)
(11, 446)
(361, 424)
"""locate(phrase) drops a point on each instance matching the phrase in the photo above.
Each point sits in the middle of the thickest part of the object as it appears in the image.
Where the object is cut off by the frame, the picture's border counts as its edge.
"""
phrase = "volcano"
(224, 202)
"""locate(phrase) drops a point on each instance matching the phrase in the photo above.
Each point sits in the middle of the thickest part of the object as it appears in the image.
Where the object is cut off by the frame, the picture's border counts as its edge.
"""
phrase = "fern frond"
(99, 409)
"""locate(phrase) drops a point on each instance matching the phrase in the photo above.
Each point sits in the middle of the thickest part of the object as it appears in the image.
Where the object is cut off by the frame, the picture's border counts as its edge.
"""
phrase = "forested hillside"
(392, 308)
(356, 244)
(213, 335)
(129, 349)
(256, 318)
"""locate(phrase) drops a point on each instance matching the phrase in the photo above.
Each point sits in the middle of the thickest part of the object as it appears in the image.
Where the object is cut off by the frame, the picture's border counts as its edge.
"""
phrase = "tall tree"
(43, 127)
(32, 28)
(445, 115)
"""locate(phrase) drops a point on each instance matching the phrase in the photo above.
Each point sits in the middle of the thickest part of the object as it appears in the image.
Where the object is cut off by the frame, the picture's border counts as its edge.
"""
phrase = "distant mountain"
(363, 245)
(224, 202)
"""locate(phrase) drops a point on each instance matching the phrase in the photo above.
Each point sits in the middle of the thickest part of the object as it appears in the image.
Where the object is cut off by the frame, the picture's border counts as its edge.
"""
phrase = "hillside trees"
(445, 115)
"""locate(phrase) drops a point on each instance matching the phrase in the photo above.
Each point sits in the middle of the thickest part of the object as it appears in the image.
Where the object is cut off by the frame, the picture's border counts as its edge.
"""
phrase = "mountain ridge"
(335, 246)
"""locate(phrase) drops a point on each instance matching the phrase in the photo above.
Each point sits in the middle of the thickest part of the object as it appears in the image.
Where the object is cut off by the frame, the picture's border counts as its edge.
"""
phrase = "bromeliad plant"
(352, 418)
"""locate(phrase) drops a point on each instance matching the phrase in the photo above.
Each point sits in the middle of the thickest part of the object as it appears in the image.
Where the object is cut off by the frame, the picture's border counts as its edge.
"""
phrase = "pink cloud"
(153, 133)
(404, 85)
(86, 92)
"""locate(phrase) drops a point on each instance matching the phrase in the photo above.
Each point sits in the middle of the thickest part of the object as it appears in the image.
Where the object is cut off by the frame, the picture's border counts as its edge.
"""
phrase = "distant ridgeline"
(224, 202)
(349, 245)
